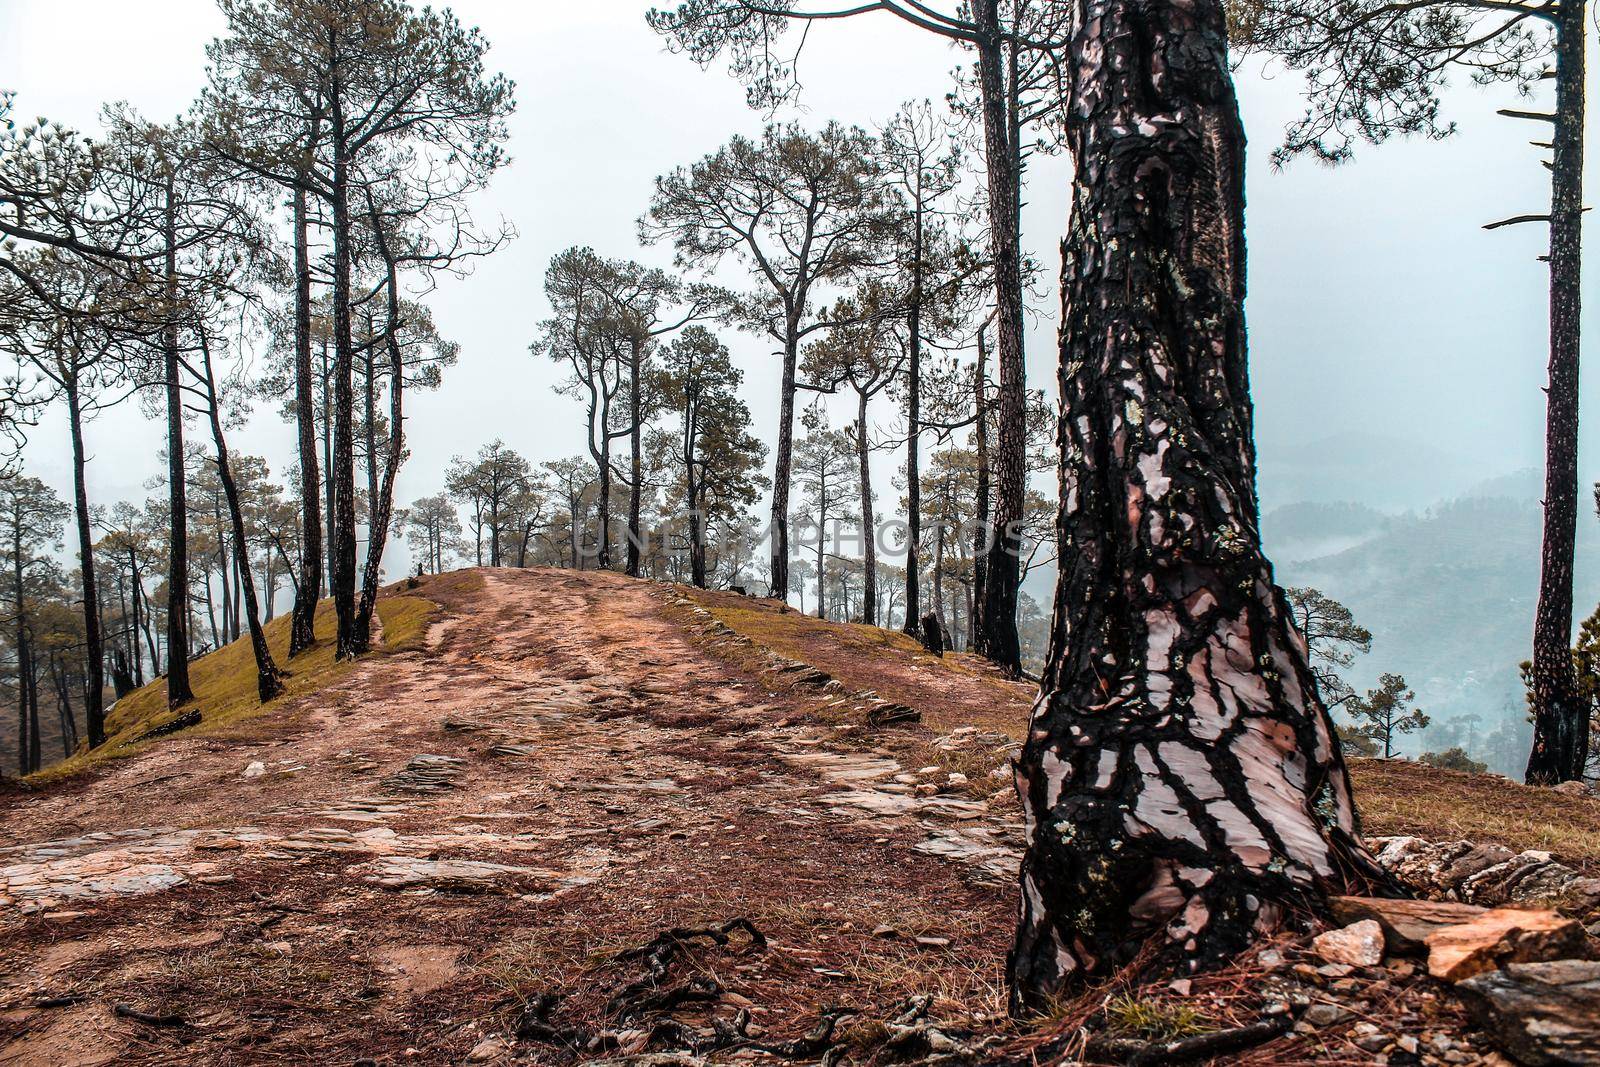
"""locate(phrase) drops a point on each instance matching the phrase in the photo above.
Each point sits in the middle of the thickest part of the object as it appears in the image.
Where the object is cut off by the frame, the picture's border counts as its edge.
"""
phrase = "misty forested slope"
(1448, 593)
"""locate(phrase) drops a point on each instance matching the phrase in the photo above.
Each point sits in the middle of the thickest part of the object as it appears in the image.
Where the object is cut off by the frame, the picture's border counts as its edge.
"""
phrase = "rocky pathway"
(562, 772)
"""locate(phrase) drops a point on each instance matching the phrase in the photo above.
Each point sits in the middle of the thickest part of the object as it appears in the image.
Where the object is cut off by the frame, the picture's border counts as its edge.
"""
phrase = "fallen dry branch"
(1136, 1053)
(127, 1011)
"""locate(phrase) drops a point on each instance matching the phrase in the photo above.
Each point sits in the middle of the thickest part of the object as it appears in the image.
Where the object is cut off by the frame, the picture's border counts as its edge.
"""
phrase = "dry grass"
(1395, 797)
(1403, 797)
(224, 683)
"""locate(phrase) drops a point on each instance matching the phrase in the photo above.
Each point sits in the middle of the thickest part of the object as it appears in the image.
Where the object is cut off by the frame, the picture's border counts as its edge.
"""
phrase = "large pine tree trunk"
(1180, 774)
(1561, 719)
(178, 688)
(1002, 573)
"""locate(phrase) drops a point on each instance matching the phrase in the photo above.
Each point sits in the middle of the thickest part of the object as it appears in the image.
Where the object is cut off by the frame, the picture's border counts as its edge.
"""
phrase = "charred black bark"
(1561, 719)
(1181, 777)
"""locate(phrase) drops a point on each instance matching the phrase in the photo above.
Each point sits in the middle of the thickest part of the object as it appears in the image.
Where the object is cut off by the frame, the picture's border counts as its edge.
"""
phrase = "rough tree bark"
(1180, 774)
(179, 690)
(998, 631)
(302, 632)
(1561, 719)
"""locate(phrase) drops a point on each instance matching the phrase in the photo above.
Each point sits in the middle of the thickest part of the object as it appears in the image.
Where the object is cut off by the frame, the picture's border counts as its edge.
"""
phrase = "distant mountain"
(1386, 472)
(1308, 530)
(1448, 593)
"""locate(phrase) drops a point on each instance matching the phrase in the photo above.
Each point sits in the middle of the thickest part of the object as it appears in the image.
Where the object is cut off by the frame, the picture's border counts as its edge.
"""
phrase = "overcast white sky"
(1377, 304)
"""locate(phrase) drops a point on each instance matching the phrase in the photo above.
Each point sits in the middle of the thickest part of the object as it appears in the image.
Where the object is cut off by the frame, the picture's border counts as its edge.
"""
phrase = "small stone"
(1376, 1041)
(933, 942)
(1180, 986)
(1360, 944)
(887, 932)
(279, 948)
(1335, 970)
(1271, 959)
(1324, 1014)
(490, 1048)
(957, 778)
(255, 769)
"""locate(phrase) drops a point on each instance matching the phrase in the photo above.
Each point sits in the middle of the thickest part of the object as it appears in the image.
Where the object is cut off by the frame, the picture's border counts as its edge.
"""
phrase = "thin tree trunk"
(1560, 718)
(269, 681)
(133, 634)
(383, 509)
(869, 576)
(343, 471)
(35, 746)
(1180, 777)
(636, 457)
(328, 488)
(781, 468)
(1002, 575)
(914, 424)
(179, 691)
(980, 559)
(93, 639)
(302, 627)
(19, 602)
(69, 723)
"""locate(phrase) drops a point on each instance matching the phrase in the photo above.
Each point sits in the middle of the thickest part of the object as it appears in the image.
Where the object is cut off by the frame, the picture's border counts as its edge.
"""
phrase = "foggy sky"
(1378, 307)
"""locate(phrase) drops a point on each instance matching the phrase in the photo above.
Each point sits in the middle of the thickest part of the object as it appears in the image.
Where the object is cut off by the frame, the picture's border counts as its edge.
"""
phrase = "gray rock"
(1540, 1013)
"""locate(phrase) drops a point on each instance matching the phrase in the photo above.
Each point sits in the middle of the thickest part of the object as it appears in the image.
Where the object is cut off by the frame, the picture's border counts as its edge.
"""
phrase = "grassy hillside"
(224, 683)
(1396, 797)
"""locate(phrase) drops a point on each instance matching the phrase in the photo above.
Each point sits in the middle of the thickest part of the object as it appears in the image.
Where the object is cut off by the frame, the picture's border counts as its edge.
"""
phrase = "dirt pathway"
(394, 872)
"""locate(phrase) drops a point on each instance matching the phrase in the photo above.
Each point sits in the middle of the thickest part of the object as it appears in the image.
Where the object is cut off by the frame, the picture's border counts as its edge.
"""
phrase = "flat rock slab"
(425, 774)
(1541, 1013)
(1501, 936)
(1406, 923)
(468, 876)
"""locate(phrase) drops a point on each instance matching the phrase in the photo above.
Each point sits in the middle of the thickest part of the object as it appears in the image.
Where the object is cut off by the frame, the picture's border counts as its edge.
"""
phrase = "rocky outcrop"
(1490, 875)
(1501, 936)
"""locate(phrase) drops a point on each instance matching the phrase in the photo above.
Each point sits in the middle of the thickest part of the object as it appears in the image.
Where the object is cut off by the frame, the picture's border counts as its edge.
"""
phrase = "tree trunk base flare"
(932, 635)
(1181, 779)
